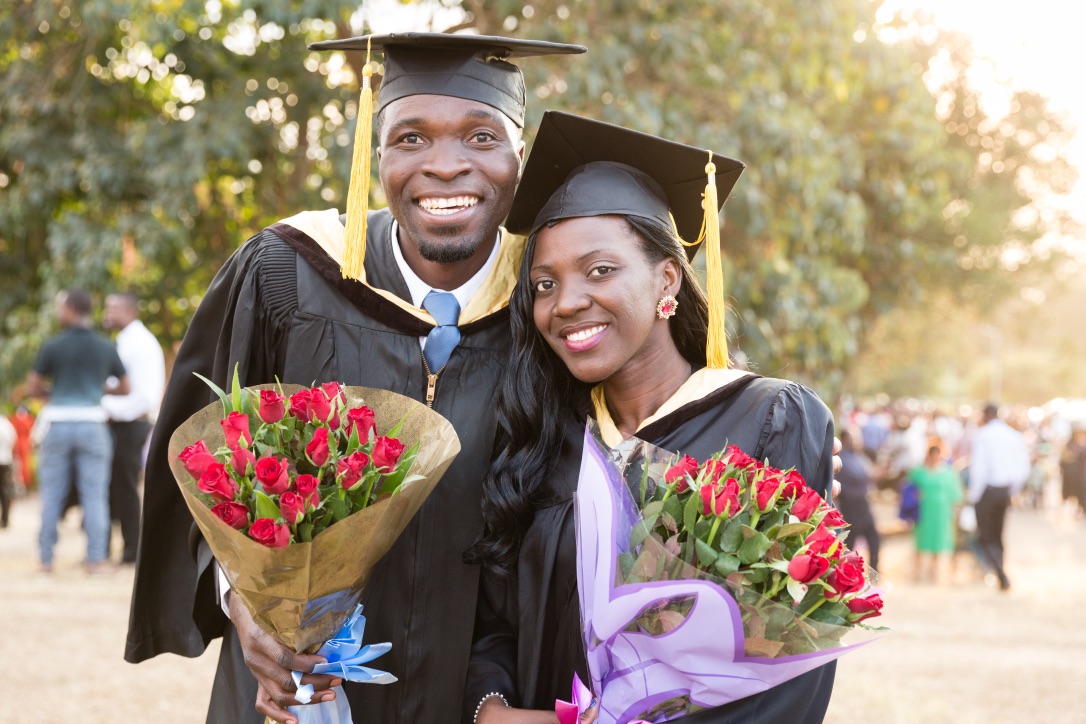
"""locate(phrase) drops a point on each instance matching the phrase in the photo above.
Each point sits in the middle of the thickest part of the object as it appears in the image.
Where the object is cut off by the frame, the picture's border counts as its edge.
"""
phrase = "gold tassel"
(716, 349)
(358, 193)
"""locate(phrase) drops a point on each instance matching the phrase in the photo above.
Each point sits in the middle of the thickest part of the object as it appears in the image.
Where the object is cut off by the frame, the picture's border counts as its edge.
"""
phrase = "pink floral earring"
(667, 307)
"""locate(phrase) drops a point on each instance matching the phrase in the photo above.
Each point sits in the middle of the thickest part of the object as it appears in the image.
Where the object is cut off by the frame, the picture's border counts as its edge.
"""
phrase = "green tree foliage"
(140, 143)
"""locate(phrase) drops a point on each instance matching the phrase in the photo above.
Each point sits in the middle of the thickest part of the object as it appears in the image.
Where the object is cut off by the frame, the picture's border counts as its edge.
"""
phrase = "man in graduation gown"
(449, 121)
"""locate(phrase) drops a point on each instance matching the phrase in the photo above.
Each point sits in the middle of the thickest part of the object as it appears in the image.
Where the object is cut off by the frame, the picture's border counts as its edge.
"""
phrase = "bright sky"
(1038, 44)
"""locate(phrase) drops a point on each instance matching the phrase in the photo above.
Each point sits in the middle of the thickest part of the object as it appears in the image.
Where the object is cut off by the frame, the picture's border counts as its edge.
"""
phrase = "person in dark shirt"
(855, 479)
(71, 369)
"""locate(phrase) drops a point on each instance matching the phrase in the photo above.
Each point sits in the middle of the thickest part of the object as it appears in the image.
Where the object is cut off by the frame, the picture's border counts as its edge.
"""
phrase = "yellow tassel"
(358, 193)
(716, 349)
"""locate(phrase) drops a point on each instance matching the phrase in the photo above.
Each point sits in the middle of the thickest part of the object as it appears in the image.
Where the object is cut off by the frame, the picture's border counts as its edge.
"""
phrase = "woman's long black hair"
(537, 392)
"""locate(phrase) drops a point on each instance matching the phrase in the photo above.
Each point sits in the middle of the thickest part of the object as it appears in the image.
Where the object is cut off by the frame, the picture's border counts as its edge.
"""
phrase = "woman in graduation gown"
(608, 321)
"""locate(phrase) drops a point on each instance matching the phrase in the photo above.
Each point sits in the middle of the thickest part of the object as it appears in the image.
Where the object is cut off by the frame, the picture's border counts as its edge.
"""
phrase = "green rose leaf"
(265, 506)
(754, 547)
(706, 555)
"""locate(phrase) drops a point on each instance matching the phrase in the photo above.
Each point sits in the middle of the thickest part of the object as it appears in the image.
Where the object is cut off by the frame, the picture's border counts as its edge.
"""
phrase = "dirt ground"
(959, 652)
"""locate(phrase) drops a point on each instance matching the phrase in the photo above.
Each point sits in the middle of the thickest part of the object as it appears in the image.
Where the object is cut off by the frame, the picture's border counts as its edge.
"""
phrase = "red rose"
(361, 419)
(847, 576)
(320, 408)
(833, 518)
(267, 532)
(306, 487)
(794, 485)
(766, 492)
(806, 504)
(291, 507)
(234, 515)
(823, 542)
(196, 458)
(386, 453)
(739, 459)
(273, 474)
(864, 607)
(236, 427)
(299, 405)
(805, 567)
(714, 470)
(216, 483)
(272, 407)
(678, 472)
(241, 458)
(720, 499)
(350, 469)
(317, 449)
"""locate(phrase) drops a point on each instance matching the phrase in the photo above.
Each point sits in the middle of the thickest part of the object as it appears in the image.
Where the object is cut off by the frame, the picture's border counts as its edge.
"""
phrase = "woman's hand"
(494, 711)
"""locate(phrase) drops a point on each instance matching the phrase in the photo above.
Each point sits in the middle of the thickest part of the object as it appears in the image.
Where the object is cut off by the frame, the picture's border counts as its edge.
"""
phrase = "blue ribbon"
(345, 654)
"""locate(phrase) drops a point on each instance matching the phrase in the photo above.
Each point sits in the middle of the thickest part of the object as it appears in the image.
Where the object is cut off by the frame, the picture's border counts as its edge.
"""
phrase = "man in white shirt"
(7, 461)
(131, 416)
(998, 468)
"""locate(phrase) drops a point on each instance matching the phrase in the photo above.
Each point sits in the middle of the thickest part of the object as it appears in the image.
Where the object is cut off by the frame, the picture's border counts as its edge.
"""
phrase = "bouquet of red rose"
(299, 492)
(705, 582)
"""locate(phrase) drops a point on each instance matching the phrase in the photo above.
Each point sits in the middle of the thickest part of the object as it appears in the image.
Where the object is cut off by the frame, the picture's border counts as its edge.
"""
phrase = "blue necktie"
(443, 338)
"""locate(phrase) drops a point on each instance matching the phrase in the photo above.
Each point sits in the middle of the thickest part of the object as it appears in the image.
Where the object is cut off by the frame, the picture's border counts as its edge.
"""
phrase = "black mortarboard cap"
(581, 167)
(475, 67)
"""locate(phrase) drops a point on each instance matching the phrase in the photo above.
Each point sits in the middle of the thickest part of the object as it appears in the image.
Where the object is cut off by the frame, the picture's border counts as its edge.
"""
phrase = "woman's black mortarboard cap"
(581, 167)
(475, 67)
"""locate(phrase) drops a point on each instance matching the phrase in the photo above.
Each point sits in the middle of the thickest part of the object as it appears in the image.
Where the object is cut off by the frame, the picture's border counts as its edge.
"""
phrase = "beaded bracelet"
(482, 701)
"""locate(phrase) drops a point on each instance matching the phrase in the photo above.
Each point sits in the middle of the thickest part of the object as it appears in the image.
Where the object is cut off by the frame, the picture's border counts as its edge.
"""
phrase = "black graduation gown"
(279, 308)
(528, 632)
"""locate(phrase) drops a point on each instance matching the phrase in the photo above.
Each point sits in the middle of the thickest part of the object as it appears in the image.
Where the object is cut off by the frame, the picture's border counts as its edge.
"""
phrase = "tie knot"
(443, 307)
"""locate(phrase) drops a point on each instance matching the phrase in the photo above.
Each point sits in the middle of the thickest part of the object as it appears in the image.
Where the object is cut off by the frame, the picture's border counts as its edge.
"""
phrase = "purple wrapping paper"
(703, 657)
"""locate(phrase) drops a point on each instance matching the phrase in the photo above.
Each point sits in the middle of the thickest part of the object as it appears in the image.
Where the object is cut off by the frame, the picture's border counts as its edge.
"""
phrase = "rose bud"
(713, 470)
(196, 458)
(333, 391)
(823, 542)
(386, 453)
(350, 469)
(766, 492)
(680, 471)
(794, 485)
(306, 487)
(236, 427)
(806, 504)
(862, 607)
(240, 459)
(273, 474)
(361, 419)
(299, 405)
(738, 458)
(317, 449)
(847, 576)
(805, 567)
(272, 406)
(320, 408)
(720, 499)
(233, 514)
(217, 483)
(267, 532)
(291, 507)
(833, 518)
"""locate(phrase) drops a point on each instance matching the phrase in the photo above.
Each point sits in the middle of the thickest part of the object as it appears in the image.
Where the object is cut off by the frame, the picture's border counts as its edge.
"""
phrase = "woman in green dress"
(940, 492)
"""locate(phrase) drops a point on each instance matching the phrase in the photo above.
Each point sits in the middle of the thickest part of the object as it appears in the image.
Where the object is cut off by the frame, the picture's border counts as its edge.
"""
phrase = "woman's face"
(596, 294)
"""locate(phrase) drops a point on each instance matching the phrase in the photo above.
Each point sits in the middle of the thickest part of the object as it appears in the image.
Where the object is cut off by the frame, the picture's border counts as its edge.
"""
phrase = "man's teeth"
(585, 333)
(444, 207)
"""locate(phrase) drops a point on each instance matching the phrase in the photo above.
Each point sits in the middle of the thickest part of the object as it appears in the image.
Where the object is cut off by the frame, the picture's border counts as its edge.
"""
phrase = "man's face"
(449, 168)
(116, 314)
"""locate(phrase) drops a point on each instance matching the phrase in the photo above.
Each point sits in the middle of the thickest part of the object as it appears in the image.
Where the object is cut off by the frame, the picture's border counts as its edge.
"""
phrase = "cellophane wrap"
(702, 661)
(302, 593)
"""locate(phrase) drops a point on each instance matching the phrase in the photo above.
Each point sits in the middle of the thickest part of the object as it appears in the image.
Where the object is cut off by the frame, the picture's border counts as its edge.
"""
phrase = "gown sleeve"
(174, 605)
(798, 432)
(492, 666)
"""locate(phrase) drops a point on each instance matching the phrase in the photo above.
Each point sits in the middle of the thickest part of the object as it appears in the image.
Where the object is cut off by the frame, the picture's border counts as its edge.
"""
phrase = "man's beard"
(450, 247)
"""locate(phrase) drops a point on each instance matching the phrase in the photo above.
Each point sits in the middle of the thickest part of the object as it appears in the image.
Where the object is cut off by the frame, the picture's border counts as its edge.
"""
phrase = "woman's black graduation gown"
(528, 633)
(279, 308)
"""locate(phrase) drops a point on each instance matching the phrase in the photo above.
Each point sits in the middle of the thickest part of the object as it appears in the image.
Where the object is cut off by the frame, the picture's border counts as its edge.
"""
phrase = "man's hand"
(271, 664)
